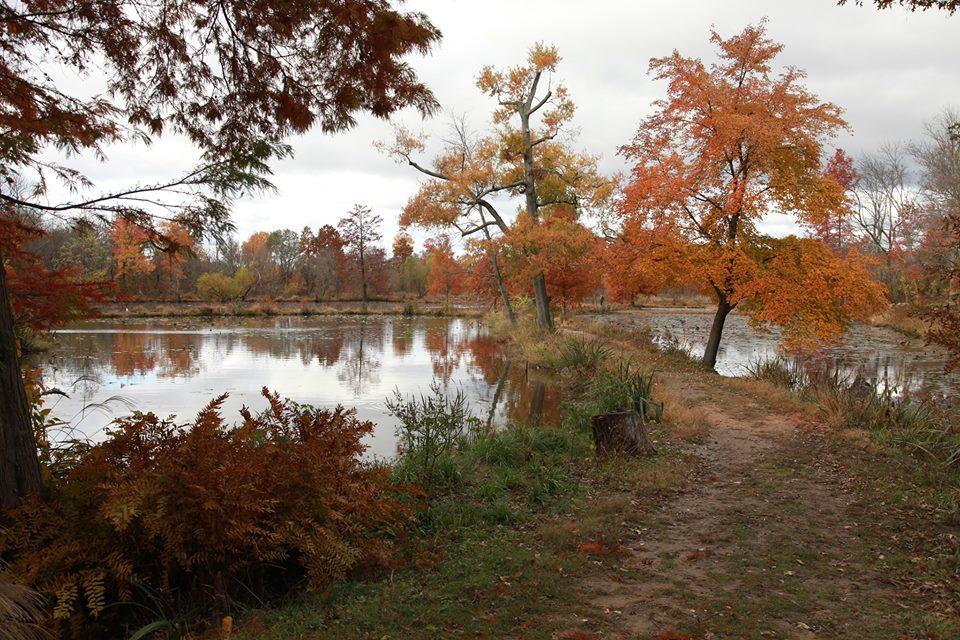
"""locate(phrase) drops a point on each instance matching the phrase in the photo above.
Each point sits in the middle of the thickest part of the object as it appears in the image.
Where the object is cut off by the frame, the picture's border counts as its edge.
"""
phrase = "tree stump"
(621, 432)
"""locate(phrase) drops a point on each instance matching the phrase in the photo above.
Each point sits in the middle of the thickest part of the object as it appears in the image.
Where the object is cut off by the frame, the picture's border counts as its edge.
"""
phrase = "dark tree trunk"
(501, 383)
(499, 278)
(621, 432)
(716, 332)
(19, 465)
(363, 278)
(542, 301)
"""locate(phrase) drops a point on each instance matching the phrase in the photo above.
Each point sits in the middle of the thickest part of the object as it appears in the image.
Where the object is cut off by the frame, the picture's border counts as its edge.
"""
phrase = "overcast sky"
(889, 70)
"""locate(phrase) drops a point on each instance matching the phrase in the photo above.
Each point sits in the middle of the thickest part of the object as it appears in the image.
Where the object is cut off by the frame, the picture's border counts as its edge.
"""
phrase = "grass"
(927, 428)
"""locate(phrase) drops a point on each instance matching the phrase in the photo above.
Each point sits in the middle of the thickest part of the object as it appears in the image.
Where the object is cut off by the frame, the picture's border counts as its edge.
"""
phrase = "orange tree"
(559, 248)
(130, 261)
(445, 274)
(235, 78)
(730, 143)
(464, 179)
(522, 156)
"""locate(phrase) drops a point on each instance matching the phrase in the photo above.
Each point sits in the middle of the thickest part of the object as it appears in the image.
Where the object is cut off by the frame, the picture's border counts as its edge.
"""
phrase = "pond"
(878, 354)
(108, 369)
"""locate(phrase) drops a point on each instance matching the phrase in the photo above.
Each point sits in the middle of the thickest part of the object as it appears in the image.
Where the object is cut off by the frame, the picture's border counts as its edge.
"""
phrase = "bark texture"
(19, 464)
(621, 432)
(716, 332)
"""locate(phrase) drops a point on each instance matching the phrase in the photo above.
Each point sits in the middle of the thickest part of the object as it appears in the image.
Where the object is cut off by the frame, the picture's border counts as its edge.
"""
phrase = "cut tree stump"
(621, 432)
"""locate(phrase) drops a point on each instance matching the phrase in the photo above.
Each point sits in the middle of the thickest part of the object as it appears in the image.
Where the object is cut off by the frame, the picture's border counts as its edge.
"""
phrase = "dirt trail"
(767, 546)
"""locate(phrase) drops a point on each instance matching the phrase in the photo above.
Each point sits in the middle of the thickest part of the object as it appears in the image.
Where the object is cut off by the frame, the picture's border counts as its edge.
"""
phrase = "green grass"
(493, 584)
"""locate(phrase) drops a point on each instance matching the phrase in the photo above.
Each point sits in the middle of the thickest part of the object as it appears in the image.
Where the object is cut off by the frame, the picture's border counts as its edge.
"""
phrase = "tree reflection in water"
(175, 368)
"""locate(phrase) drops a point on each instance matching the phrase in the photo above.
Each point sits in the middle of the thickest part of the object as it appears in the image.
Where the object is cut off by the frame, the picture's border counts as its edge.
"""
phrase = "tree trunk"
(19, 464)
(532, 204)
(542, 301)
(499, 277)
(363, 279)
(621, 432)
(716, 332)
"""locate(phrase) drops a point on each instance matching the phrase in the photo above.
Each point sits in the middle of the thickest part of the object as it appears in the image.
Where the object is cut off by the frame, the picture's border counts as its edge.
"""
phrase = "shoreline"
(252, 309)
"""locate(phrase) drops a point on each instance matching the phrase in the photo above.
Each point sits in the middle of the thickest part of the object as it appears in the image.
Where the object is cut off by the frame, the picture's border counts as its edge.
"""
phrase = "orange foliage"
(810, 291)
(129, 250)
(177, 248)
(402, 246)
(730, 143)
(560, 248)
(642, 261)
(480, 279)
(445, 276)
(203, 512)
(256, 252)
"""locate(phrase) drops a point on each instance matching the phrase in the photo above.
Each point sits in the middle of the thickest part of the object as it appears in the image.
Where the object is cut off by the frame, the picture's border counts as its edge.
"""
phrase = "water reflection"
(176, 368)
(879, 355)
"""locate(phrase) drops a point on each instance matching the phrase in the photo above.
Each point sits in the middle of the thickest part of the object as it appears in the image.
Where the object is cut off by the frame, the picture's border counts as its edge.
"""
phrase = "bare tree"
(360, 230)
(887, 202)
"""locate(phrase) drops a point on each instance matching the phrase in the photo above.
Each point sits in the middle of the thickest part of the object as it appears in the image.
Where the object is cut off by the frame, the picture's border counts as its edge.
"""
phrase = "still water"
(878, 354)
(109, 369)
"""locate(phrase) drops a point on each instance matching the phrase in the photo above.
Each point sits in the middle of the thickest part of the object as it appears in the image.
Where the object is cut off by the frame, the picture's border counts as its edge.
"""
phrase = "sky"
(890, 71)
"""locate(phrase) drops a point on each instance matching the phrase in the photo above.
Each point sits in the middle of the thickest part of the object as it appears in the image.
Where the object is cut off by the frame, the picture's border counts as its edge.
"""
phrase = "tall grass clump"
(579, 357)
(927, 426)
(623, 389)
(431, 427)
(778, 371)
(21, 610)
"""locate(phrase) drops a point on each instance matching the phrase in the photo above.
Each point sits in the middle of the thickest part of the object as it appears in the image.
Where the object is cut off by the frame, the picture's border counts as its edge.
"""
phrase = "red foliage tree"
(445, 275)
(360, 230)
(561, 249)
(836, 228)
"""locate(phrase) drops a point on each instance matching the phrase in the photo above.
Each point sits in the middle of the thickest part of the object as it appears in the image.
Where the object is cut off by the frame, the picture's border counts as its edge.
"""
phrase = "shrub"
(431, 427)
(201, 516)
(222, 288)
(216, 286)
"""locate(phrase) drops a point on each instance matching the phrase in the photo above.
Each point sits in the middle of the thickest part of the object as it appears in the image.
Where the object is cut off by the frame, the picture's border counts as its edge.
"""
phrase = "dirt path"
(773, 543)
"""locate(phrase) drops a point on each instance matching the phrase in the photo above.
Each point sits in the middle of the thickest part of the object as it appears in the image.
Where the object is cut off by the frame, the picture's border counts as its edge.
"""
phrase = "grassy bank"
(902, 318)
(254, 308)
